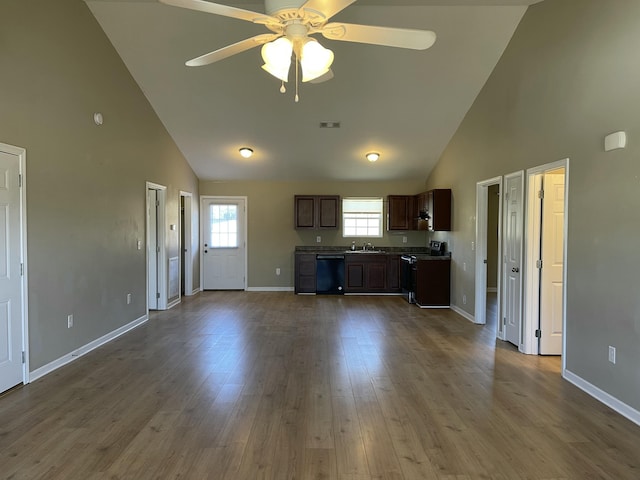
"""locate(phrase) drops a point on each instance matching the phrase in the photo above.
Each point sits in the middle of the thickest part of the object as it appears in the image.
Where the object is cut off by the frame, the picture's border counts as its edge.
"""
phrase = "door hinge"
(24, 357)
(158, 295)
(19, 180)
(504, 321)
(540, 194)
(22, 269)
(157, 249)
(538, 263)
(538, 333)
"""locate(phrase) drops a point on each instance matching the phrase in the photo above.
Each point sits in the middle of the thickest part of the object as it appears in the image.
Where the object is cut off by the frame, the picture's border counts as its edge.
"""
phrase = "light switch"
(139, 244)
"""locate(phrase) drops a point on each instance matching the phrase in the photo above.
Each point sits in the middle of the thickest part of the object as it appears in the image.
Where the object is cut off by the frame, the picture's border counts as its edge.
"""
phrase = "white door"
(224, 243)
(11, 371)
(512, 257)
(152, 248)
(552, 254)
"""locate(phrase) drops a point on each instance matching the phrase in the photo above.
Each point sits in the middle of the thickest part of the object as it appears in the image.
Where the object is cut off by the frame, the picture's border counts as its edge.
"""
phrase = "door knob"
(515, 269)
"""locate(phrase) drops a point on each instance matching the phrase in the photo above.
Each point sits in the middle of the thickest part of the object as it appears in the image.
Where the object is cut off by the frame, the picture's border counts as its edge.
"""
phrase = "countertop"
(421, 253)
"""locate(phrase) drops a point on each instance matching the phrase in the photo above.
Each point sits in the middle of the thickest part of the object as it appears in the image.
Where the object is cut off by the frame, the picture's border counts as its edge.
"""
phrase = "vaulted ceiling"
(405, 104)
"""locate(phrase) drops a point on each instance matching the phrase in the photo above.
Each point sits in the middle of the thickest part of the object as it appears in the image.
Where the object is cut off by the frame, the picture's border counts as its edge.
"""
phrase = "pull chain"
(297, 98)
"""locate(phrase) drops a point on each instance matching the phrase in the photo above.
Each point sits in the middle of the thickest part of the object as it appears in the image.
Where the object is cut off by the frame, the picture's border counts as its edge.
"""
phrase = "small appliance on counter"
(437, 248)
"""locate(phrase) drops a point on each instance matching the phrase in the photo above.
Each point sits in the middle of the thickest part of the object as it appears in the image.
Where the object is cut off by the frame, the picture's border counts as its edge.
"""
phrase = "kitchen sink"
(365, 251)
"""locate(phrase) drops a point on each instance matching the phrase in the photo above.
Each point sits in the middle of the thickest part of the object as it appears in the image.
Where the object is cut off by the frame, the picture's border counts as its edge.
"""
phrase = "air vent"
(329, 124)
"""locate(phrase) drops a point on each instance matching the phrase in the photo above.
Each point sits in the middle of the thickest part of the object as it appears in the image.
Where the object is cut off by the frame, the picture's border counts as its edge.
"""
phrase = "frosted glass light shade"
(315, 60)
(277, 58)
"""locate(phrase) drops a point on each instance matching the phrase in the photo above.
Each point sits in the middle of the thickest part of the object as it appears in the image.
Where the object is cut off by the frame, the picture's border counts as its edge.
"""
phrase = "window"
(224, 226)
(362, 217)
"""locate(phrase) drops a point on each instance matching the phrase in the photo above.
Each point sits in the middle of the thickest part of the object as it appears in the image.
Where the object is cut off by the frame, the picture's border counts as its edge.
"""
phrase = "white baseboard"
(269, 289)
(70, 357)
(462, 313)
(193, 292)
(173, 303)
(609, 400)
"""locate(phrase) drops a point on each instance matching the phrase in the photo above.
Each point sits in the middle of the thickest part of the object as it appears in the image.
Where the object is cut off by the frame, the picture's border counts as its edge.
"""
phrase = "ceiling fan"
(292, 22)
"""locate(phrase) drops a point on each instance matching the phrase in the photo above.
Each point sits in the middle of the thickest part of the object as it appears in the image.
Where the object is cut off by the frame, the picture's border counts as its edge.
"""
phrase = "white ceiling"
(405, 104)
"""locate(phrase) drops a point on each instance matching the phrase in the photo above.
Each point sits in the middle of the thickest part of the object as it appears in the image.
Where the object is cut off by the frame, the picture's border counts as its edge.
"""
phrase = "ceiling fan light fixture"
(277, 58)
(246, 152)
(372, 156)
(315, 60)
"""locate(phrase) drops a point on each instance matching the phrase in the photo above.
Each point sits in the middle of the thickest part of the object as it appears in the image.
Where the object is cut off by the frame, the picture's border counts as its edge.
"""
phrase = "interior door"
(512, 251)
(152, 248)
(552, 255)
(11, 371)
(224, 243)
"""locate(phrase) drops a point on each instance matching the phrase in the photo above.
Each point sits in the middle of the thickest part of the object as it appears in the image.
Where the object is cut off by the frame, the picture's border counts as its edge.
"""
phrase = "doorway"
(487, 260)
(546, 251)
(14, 356)
(156, 247)
(186, 244)
(224, 245)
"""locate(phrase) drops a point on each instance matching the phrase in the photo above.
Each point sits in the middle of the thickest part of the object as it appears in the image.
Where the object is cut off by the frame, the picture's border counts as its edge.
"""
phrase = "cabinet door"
(305, 212)
(399, 216)
(305, 273)
(328, 211)
(433, 282)
(354, 272)
(439, 202)
(376, 276)
(393, 274)
(422, 206)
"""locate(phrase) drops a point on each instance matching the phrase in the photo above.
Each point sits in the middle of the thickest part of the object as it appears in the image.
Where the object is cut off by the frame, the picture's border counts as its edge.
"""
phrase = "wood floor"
(253, 385)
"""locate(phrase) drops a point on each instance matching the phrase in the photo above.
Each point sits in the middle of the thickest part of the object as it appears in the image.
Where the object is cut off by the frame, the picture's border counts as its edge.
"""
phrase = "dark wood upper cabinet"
(439, 209)
(314, 212)
(401, 212)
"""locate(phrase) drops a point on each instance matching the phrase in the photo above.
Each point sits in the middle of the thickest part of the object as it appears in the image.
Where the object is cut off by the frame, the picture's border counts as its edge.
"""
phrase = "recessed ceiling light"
(246, 152)
(373, 156)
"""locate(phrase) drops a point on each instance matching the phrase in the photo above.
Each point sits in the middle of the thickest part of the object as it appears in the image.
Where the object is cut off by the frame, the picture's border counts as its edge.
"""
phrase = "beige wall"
(271, 234)
(569, 76)
(85, 184)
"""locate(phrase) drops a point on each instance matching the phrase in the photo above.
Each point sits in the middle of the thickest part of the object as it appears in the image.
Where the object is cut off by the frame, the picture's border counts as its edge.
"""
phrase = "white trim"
(604, 397)
(196, 290)
(162, 243)
(246, 233)
(269, 289)
(70, 357)
(188, 235)
(462, 313)
(21, 153)
(482, 209)
(173, 303)
(531, 301)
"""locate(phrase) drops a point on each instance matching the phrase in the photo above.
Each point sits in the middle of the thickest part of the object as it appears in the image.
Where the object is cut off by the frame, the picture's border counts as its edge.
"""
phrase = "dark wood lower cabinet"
(366, 273)
(305, 272)
(433, 283)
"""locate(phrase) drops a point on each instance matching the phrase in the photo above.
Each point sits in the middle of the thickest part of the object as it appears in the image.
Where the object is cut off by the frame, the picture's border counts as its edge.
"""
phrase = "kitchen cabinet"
(422, 210)
(366, 273)
(305, 273)
(316, 212)
(433, 282)
(393, 274)
(439, 209)
(401, 212)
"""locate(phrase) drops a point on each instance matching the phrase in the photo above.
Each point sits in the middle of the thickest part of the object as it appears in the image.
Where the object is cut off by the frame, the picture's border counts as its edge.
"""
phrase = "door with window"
(224, 243)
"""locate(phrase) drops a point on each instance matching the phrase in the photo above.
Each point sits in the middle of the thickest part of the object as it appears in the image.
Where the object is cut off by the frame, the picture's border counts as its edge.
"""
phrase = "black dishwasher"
(330, 274)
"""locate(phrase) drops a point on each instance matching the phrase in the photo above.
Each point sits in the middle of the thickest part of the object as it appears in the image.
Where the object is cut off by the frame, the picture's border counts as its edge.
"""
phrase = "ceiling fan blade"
(224, 10)
(230, 50)
(328, 8)
(391, 37)
(323, 78)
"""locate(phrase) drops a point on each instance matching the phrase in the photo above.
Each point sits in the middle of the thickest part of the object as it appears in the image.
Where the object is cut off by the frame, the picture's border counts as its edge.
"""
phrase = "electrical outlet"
(277, 271)
(464, 266)
(128, 299)
(69, 321)
(318, 239)
(139, 244)
(464, 299)
(473, 246)
(612, 354)
(404, 239)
